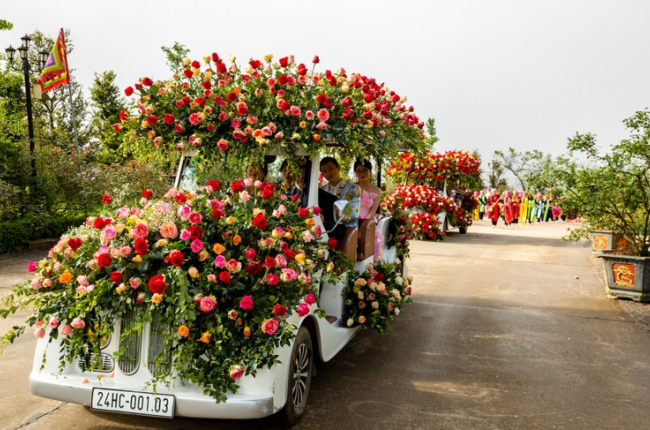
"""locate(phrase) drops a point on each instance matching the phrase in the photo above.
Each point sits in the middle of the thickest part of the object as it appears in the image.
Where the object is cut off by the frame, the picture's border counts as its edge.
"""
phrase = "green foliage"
(431, 137)
(174, 56)
(615, 193)
(495, 177)
(520, 164)
(16, 234)
(107, 103)
(5, 25)
(547, 180)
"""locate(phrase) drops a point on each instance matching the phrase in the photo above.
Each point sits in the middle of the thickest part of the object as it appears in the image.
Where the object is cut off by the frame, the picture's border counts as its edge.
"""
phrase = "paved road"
(501, 335)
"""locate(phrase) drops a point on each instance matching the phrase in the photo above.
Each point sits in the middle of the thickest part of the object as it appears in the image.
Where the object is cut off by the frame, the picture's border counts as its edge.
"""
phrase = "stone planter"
(627, 276)
(602, 240)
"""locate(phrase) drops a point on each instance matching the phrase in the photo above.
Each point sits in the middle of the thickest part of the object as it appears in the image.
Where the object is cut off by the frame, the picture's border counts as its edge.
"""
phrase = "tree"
(5, 25)
(107, 103)
(520, 164)
(495, 177)
(472, 182)
(546, 179)
(52, 113)
(174, 55)
(431, 138)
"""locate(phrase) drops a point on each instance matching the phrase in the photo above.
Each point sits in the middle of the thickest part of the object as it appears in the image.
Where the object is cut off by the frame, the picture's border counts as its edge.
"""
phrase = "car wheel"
(301, 370)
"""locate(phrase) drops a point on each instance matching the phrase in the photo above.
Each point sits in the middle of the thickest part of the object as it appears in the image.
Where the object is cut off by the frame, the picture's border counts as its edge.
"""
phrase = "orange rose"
(205, 337)
(310, 222)
(316, 137)
(240, 321)
(236, 240)
(65, 277)
(138, 259)
(151, 134)
(218, 248)
(183, 331)
(247, 331)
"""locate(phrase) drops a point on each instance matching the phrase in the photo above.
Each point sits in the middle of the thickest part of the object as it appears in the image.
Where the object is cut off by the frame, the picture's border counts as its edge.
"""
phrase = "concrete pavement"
(501, 335)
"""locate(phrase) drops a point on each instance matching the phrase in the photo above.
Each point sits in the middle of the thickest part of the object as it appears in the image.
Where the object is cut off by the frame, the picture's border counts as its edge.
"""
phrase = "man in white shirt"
(336, 186)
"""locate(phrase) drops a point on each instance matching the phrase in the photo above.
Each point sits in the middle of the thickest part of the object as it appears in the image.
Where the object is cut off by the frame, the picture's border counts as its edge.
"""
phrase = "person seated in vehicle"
(337, 189)
(256, 171)
(288, 184)
(369, 200)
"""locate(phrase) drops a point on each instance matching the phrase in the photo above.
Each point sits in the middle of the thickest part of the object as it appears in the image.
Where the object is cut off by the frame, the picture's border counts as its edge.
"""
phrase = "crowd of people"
(518, 207)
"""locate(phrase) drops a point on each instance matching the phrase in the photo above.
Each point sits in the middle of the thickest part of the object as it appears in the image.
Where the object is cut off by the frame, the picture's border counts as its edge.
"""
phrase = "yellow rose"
(288, 235)
(257, 211)
(186, 61)
(300, 258)
(196, 72)
(236, 240)
(206, 59)
(183, 331)
(156, 298)
(144, 124)
(310, 222)
(230, 220)
(120, 289)
(302, 124)
(208, 75)
(119, 228)
(137, 259)
(193, 272)
(247, 331)
(203, 255)
(160, 243)
(218, 248)
(268, 58)
(205, 337)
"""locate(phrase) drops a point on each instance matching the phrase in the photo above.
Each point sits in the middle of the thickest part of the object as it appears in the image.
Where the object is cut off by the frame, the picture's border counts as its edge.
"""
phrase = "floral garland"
(433, 168)
(463, 215)
(224, 109)
(375, 296)
(222, 270)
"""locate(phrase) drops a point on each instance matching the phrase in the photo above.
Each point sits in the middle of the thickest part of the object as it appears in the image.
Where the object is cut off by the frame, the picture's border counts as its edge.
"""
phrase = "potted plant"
(614, 194)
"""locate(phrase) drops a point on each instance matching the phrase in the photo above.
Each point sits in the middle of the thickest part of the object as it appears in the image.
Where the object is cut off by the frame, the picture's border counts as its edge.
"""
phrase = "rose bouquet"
(375, 296)
(220, 270)
(433, 168)
(246, 111)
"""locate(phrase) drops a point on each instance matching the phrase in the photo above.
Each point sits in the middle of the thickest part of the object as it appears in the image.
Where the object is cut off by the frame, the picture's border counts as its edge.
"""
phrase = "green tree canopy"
(107, 103)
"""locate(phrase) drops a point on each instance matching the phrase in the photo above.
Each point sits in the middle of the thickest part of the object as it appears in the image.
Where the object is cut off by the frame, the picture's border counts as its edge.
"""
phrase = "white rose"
(396, 311)
(396, 293)
(375, 305)
(350, 322)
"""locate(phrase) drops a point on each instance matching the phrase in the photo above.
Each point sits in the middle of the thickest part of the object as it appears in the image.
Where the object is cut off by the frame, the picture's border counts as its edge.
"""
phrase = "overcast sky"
(494, 74)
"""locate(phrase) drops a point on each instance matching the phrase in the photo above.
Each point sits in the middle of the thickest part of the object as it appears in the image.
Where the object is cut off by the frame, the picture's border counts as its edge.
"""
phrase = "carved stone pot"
(627, 276)
(602, 240)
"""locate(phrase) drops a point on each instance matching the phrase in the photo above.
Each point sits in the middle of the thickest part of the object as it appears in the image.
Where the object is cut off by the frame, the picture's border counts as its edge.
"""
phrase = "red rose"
(180, 198)
(147, 82)
(231, 96)
(295, 197)
(138, 86)
(332, 243)
(152, 119)
(117, 127)
(221, 67)
(216, 185)
(200, 101)
(147, 193)
(106, 199)
(157, 284)
(290, 253)
(380, 277)
(237, 186)
(104, 260)
(176, 258)
(116, 277)
(267, 194)
(196, 64)
(195, 232)
(260, 222)
(74, 243)
(279, 310)
(303, 212)
(316, 60)
(269, 262)
(224, 277)
(254, 268)
(99, 222)
(169, 118)
(316, 210)
(141, 246)
(284, 62)
(282, 79)
(255, 64)
(128, 91)
(188, 73)
(217, 213)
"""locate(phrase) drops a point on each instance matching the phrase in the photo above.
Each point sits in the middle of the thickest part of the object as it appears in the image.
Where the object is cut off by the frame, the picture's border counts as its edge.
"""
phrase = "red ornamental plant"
(247, 109)
(433, 168)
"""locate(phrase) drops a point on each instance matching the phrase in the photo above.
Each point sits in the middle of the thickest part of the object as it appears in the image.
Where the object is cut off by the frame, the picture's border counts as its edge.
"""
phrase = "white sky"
(494, 74)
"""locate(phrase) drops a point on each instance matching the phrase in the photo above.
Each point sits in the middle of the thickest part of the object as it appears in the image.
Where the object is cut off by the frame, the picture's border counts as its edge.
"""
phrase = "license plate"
(132, 402)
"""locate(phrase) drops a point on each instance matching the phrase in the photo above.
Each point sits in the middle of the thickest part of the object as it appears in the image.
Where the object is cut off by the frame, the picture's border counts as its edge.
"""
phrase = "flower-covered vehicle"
(215, 299)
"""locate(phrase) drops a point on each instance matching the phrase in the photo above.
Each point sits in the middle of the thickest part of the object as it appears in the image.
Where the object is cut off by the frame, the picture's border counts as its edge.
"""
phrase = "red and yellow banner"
(55, 72)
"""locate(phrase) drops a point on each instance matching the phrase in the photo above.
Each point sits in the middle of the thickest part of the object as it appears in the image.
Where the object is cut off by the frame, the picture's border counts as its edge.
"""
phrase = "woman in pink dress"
(370, 199)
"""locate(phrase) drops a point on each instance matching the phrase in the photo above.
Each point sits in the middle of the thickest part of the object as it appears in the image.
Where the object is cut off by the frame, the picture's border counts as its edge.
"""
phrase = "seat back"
(366, 244)
(349, 243)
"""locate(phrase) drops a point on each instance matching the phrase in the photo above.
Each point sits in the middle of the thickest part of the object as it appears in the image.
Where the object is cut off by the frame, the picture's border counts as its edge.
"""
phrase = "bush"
(15, 235)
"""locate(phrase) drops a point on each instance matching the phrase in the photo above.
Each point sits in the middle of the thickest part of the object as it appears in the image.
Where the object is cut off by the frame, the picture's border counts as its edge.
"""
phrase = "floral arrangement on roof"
(432, 168)
(376, 296)
(423, 204)
(248, 111)
(220, 270)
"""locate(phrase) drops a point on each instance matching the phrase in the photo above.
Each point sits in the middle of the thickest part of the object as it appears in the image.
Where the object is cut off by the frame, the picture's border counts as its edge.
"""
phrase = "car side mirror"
(342, 212)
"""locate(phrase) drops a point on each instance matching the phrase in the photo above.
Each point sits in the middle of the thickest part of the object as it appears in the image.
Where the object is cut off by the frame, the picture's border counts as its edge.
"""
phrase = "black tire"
(462, 230)
(301, 370)
(445, 225)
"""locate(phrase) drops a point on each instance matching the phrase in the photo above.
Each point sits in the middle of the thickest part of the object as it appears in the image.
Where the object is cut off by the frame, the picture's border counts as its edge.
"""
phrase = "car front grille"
(130, 360)
(158, 360)
(105, 365)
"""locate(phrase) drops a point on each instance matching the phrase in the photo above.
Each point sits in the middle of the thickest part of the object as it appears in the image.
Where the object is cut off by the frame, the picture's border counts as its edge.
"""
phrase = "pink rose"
(140, 231)
(310, 299)
(185, 235)
(244, 196)
(222, 144)
(321, 125)
(81, 290)
(107, 235)
(65, 330)
(207, 304)
(212, 278)
(36, 284)
(251, 254)
(122, 213)
(54, 323)
(307, 236)
(248, 182)
(135, 283)
(78, 323)
(89, 288)
(195, 218)
(47, 282)
(246, 303)
(125, 251)
(233, 265)
(236, 371)
(220, 261)
(183, 212)
(31, 266)
(277, 233)
(309, 115)
(288, 275)
(270, 326)
(169, 230)
(303, 309)
(272, 279)
(295, 111)
(323, 115)
(282, 262)
(39, 333)
(196, 246)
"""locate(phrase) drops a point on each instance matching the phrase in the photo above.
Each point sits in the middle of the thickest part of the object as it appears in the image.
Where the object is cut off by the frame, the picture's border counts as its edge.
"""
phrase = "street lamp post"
(23, 51)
